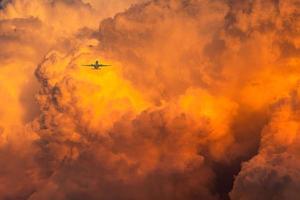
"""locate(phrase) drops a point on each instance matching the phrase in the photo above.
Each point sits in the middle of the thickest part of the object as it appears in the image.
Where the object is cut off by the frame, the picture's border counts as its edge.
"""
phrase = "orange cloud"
(201, 101)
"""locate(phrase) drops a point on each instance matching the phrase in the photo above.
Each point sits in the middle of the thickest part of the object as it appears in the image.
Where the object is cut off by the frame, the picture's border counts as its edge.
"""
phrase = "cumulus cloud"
(196, 89)
(28, 30)
(274, 172)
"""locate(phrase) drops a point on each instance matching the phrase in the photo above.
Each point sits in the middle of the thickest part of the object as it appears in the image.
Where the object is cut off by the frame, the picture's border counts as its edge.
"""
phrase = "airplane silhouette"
(97, 65)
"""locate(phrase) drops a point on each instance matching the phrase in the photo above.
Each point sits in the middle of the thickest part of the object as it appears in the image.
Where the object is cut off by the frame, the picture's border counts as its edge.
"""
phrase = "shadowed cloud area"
(201, 101)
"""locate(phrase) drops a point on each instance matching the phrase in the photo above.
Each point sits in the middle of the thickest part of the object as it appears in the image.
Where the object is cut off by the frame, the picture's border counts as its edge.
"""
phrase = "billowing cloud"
(28, 30)
(274, 172)
(199, 103)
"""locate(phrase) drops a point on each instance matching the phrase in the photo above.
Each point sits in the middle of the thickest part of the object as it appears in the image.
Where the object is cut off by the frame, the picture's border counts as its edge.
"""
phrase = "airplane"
(97, 65)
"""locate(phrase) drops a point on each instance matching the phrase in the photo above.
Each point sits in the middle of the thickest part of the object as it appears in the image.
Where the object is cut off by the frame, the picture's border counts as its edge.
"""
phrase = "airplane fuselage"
(97, 65)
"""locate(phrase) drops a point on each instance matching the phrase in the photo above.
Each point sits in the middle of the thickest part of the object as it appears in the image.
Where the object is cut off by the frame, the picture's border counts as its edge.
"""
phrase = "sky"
(201, 101)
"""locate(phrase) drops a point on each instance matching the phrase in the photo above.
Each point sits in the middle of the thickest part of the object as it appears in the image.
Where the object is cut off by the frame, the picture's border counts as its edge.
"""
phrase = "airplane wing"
(88, 65)
(105, 65)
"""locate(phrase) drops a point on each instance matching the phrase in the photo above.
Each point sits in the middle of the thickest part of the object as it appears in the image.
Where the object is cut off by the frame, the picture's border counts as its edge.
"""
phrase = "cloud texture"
(201, 102)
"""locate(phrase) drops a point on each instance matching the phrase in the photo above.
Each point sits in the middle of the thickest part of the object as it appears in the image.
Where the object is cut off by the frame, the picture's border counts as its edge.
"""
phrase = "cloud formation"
(28, 30)
(201, 101)
(274, 172)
